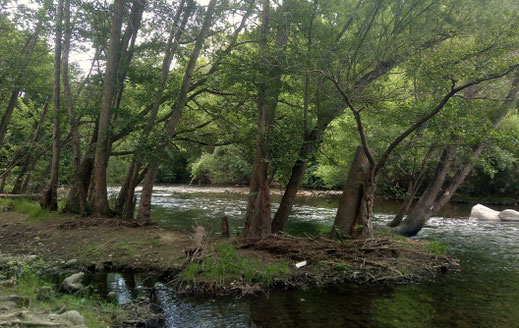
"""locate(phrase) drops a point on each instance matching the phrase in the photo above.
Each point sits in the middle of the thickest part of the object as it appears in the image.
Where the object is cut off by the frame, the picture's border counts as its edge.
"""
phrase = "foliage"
(225, 165)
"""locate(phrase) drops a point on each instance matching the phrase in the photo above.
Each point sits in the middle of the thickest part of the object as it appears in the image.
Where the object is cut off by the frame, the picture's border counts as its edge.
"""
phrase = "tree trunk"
(99, 194)
(28, 49)
(125, 205)
(408, 201)
(258, 219)
(18, 185)
(417, 219)
(2, 183)
(86, 170)
(352, 195)
(414, 184)
(296, 176)
(289, 196)
(127, 47)
(171, 125)
(225, 227)
(76, 142)
(7, 114)
(50, 197)
(423, 208)
(125, 198)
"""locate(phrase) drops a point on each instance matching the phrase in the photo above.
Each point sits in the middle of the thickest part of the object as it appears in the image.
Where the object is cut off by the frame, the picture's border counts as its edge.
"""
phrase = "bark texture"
(99, 198)
(171, 124)
(258, 217)
(50, 197)
(76, 142)
(352, 194)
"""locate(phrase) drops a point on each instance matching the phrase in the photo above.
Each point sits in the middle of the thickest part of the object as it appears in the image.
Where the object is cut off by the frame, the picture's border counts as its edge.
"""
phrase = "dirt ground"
(66, 240)
(92, 241)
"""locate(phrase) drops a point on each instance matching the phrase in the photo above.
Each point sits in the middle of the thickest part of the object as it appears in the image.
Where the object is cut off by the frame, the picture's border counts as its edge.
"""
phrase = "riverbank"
(65, 244)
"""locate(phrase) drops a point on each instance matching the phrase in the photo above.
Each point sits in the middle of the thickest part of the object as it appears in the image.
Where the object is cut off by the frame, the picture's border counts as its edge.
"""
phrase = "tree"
(50, 197)
(437, 194)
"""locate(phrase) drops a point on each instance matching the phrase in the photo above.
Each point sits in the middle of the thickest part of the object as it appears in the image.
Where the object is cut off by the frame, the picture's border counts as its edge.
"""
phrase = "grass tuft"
(225, 267)
(436, 247)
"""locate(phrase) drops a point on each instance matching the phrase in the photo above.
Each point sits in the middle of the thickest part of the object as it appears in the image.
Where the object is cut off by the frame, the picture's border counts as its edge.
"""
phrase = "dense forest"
(409, 99)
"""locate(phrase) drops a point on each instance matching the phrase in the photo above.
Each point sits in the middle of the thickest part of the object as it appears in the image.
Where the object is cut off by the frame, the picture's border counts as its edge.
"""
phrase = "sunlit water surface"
(484, 293)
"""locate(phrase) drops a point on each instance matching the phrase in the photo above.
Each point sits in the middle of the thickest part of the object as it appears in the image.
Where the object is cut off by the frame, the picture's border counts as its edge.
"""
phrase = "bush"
(226, 165)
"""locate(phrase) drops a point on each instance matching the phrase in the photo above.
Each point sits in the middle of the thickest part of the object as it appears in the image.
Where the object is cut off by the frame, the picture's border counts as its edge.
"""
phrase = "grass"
(436, 247)
(31, 208)
(95, 311)
(153, 242)
(126, 247)
(226, 267)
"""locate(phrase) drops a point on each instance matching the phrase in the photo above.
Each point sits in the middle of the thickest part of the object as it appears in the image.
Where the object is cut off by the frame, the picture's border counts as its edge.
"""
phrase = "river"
(483, 293)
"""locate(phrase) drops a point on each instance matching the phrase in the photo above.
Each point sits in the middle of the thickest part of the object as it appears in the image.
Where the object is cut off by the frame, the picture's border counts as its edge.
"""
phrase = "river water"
(483, 293)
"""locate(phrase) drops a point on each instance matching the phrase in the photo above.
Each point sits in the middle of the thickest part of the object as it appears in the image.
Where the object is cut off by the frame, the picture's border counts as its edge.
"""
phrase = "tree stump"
(225, 227)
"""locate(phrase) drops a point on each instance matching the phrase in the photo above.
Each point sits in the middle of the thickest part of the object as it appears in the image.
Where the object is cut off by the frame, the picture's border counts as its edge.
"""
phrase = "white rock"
(481, 212)
(509, 215)
(73, 283)
(71, 262)
(73, 318)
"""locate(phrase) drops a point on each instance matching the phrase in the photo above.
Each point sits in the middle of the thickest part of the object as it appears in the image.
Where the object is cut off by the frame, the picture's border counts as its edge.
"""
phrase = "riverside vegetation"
(410, 99)
(40, 251)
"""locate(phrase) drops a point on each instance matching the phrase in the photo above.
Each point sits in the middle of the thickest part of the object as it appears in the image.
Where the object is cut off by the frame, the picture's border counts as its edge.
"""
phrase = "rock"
(71, 262)
(73, 283)
(481, 212)
(112, 295)
(509, 215)
(36, 238)
(33, 257)
(73, 318)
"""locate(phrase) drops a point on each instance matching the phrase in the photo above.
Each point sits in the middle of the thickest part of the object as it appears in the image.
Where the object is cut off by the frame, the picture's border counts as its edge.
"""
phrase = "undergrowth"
(437, 248)
(31, 208)
(226, 267)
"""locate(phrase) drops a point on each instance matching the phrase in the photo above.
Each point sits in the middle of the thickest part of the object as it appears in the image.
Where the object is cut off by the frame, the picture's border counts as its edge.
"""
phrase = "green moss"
(226, 267)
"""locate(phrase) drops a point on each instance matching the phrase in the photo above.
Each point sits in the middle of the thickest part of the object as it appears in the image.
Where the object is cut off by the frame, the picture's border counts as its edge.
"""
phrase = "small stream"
(484, 293)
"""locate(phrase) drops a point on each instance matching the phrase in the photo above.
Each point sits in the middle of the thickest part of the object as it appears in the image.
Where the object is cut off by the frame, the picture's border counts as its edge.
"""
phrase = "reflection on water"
(182, 312)
(484, 293)
(117, 283)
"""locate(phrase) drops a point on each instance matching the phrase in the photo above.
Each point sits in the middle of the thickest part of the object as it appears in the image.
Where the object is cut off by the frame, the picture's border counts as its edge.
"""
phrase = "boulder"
(73, 318)
(481, 212)
(69, 319)
(509, 215)
(71, 262)
(73, 283)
